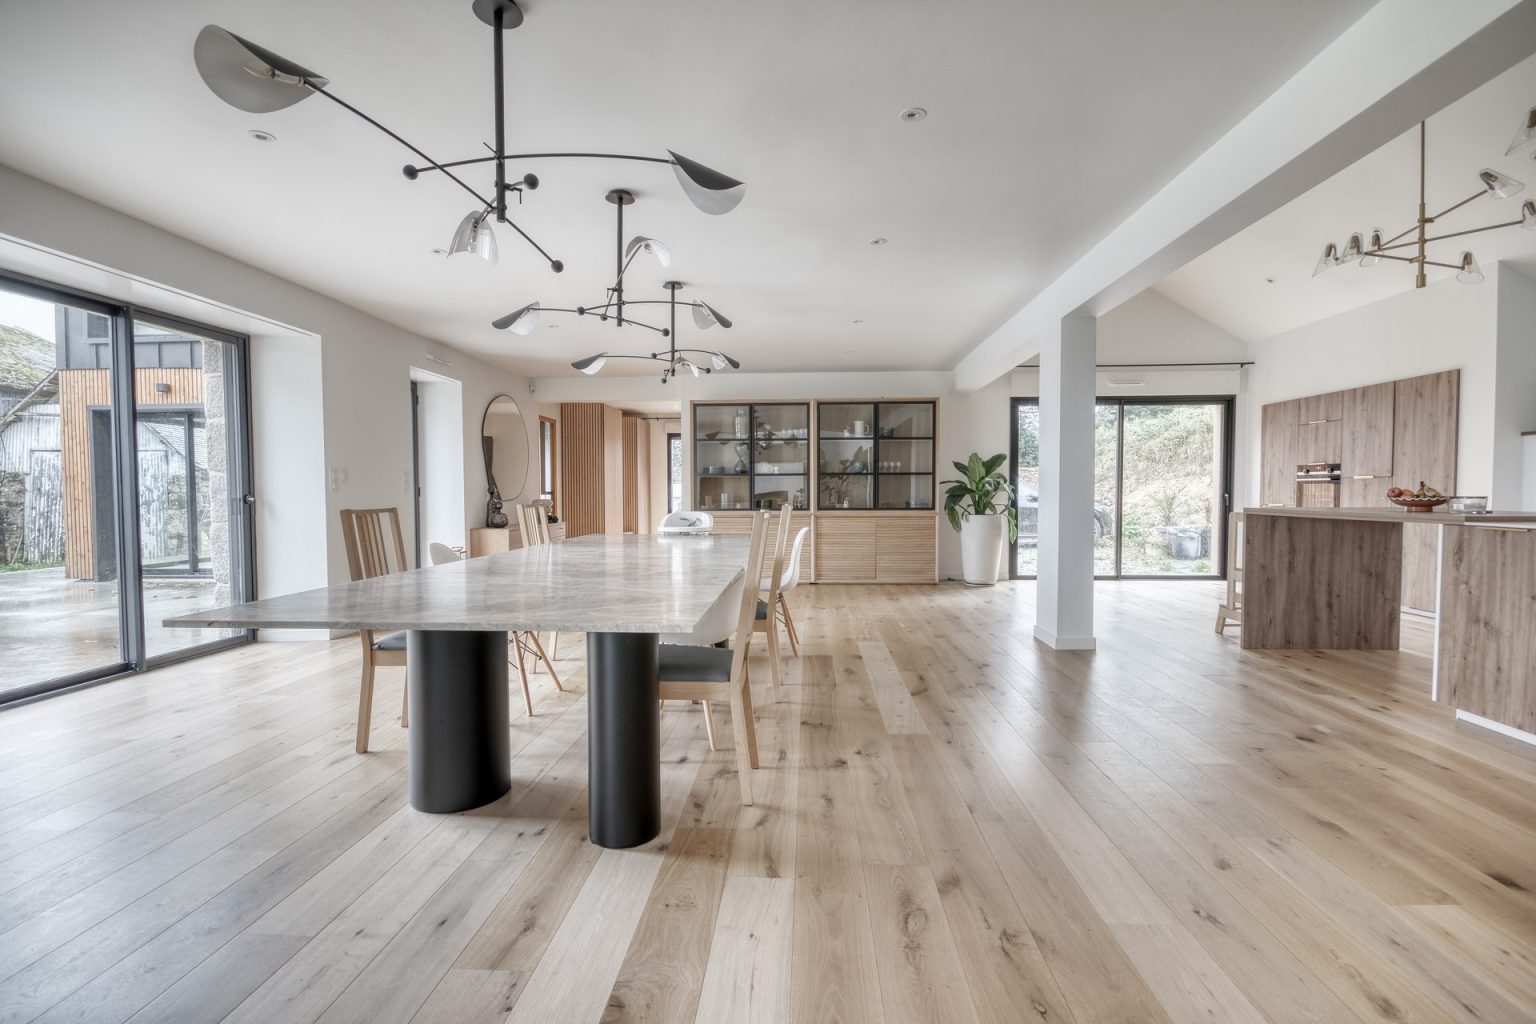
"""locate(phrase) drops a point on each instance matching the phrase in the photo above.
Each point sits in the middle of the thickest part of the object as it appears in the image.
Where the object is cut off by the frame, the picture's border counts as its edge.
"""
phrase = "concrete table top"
(601, 583)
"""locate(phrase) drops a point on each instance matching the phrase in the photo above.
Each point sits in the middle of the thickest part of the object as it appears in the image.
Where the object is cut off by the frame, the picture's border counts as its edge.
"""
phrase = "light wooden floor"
(954, 825)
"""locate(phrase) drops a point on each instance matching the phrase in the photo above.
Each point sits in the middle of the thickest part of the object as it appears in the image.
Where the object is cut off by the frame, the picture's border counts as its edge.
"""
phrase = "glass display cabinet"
(751, 455)
(875, 455)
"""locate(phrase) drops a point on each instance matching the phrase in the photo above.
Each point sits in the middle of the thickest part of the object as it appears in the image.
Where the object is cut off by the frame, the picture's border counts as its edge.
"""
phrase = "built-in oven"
(1317, 485)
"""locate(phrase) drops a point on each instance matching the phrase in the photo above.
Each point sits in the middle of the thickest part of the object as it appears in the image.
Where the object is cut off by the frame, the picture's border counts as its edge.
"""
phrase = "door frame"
(133, 657)
(1228, 438)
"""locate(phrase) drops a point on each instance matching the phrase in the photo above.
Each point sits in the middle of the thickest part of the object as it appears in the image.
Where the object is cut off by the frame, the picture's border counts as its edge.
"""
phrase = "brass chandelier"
(1370, 248)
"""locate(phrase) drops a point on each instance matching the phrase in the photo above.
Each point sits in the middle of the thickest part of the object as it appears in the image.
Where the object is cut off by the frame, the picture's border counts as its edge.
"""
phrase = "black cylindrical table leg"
(461, 751)
(623, 740)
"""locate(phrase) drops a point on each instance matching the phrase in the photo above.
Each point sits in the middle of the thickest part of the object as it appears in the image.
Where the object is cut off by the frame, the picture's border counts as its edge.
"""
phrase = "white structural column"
(1064, 606)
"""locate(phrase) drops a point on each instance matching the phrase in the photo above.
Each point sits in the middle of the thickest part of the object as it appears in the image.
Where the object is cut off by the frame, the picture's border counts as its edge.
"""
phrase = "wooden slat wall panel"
(613, 470)
(640, 472)
(582, 467)
(906, 549)
(79, 392)
(845, 549)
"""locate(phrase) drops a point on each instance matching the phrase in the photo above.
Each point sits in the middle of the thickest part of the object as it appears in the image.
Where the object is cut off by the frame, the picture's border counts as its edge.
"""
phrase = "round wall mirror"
(504, 438)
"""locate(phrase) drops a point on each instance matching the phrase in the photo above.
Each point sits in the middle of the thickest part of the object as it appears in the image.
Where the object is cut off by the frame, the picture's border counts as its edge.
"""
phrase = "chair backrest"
(780, 548)
(372, 535)
(687, 520)
(441, 554)
(791, 578)
(532, 525)
(747, 609)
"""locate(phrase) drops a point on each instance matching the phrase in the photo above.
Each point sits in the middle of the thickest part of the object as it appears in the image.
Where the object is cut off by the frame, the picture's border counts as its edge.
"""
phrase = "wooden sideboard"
(1396, 432)
(858, 547)
(488, 540)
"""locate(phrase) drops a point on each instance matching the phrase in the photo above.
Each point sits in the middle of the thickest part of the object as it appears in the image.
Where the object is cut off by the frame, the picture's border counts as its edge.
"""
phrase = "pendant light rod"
(411, 171)
(501, 118)
(1420, 280)
(435, 166)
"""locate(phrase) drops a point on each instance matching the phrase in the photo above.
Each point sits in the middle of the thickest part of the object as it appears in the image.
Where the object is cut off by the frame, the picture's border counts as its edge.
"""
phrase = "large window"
(110, 523)
(1162, 483)
(547, 464)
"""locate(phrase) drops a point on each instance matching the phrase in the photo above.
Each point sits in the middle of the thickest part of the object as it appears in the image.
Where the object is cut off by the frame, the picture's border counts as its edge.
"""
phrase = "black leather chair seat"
(680, 663)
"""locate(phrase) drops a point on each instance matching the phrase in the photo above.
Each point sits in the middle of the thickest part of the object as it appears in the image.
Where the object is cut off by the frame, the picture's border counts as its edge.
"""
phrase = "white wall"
(1514, 401)
(1443, 327)
(364, 365)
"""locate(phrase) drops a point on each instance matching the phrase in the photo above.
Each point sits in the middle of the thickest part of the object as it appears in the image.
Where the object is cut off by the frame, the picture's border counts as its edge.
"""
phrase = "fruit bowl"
(1419, 504)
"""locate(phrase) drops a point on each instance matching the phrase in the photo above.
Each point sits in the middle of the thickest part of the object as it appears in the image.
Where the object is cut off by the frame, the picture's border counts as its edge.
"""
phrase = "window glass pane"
(1027, 486)
(58, 497)
(1106, 427)
(546, 460)
(190, 508)
(1174, 470)
(674, 472)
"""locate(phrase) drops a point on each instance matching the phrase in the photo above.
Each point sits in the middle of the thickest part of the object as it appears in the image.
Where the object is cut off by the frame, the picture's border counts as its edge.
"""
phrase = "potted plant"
(980, 508)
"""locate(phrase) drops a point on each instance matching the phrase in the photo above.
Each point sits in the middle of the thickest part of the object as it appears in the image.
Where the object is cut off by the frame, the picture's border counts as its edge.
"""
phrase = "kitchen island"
(1331, 579)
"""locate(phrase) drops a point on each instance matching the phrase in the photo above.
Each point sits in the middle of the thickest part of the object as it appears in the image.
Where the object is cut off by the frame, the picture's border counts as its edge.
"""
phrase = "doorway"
(1162, 486)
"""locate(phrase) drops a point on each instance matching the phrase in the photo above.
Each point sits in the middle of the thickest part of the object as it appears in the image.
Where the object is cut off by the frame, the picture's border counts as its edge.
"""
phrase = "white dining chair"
(686, 521)
(790, 580)
(442, 554)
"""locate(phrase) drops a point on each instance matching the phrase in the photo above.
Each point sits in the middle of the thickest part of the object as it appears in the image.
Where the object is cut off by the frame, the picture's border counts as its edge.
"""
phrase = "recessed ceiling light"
(878, 241)
(858, 321)
(913, 114)
(553, 327)
(439, 252)
(261, 136)
(1270, 280)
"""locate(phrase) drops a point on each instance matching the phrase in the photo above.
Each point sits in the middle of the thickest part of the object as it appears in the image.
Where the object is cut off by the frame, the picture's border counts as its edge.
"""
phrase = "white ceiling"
(1230, 286)
(1049, 123)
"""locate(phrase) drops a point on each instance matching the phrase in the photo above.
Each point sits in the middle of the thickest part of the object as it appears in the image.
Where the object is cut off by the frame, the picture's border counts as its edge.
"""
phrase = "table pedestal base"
(460, 746)
(623, 740)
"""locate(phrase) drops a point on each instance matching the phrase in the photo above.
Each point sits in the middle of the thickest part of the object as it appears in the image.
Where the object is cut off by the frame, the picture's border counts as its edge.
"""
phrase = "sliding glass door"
(111, 523)
(1162, 480)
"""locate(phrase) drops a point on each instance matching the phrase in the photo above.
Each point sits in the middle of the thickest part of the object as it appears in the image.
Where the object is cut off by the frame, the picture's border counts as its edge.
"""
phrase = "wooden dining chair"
(766, 619)
(375, 548)
(716, 674)
(526, 645)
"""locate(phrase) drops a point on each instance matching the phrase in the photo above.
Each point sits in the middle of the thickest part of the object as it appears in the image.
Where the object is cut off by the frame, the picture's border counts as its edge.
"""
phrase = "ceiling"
(1259, 282)
(1048, 124)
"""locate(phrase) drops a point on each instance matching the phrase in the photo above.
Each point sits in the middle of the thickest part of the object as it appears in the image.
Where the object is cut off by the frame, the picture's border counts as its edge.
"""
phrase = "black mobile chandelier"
(524, 319)
(1371, 248)
(254, 79)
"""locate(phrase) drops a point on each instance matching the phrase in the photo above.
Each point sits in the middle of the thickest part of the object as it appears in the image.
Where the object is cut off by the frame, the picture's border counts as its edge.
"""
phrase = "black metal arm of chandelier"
(1370, 248)
(254, 79)
(675, 358)
(524, 319)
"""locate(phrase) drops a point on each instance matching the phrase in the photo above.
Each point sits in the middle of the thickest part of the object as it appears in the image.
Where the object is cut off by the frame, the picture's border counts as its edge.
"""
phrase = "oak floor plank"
(747, 978)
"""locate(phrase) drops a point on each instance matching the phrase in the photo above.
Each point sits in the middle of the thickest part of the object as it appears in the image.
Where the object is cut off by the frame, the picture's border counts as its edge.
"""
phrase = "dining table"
(623, 591)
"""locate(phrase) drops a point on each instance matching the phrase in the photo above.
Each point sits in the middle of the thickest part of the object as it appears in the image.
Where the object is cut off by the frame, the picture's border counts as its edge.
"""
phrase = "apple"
(1394, 492)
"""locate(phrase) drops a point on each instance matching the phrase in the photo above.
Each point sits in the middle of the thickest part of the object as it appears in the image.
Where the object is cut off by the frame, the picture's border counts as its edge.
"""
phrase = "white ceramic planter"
(981, 548)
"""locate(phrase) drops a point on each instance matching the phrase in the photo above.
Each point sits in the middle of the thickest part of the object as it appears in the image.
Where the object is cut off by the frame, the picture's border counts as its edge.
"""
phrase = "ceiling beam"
(1400, 63)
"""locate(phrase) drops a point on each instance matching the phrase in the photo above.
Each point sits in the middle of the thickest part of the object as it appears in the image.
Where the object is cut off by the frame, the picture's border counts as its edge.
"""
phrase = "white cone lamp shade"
(591, 364)
(705, 187)
(249, 77)
(648, 245)
(1354, 248)
(1528, 216)
(1374, 243)
(1329, 258)
(1501, 185)
(1525, 137)
(474, 235)
(706, 316)
(519, 321)
(1470, 272)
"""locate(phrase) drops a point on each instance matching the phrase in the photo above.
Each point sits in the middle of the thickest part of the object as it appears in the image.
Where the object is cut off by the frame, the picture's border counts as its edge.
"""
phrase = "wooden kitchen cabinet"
(1320, 408)
(1424, 420)
(895, 547)
(1319, 441)
(1277, 454)
(1368, 430)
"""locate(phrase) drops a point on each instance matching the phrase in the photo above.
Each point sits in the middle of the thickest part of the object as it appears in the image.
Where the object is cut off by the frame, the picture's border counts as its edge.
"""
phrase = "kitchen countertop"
(600, 583)
(1395, 515)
